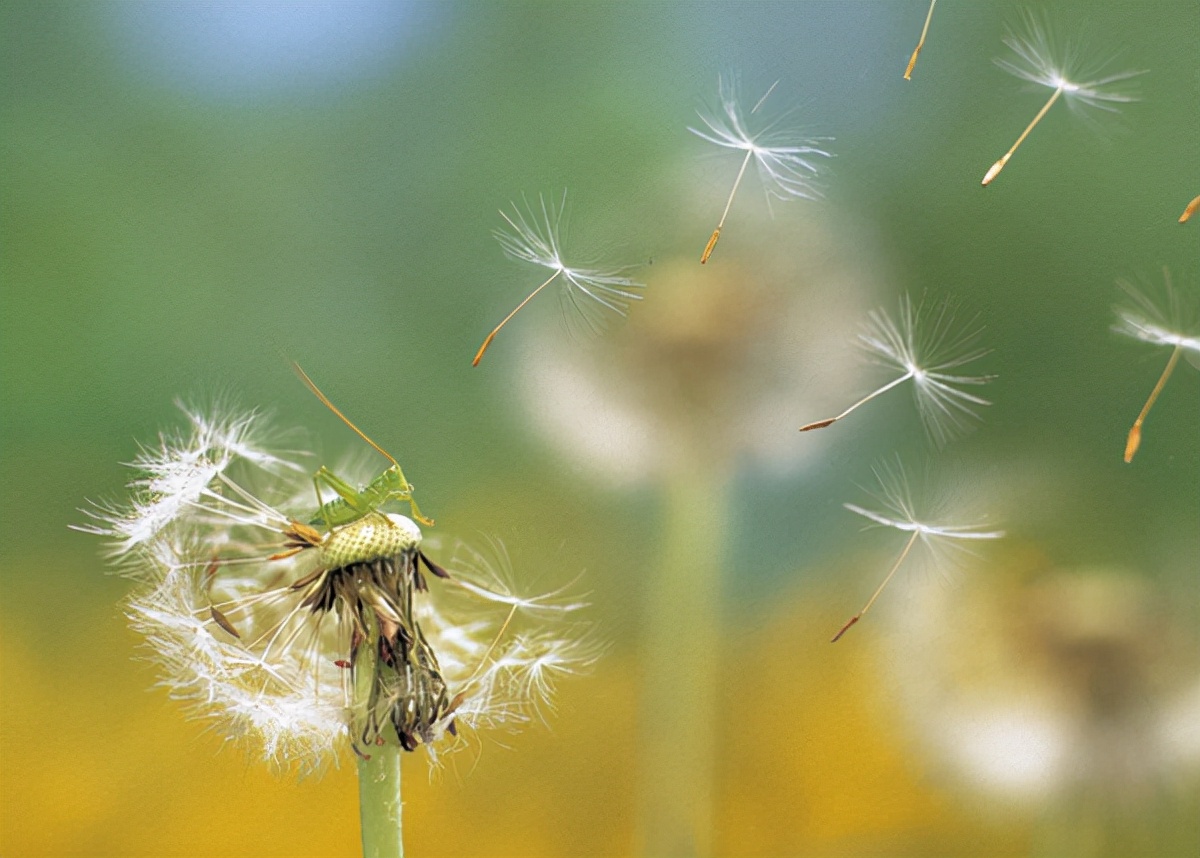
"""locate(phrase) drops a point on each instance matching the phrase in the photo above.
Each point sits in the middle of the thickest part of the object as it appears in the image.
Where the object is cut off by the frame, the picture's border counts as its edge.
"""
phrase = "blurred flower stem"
(692, 389)
(681, 661)
(379, 802)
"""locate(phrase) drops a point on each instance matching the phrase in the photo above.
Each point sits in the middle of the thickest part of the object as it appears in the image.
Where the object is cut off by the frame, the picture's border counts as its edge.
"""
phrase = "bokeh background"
(193, 193)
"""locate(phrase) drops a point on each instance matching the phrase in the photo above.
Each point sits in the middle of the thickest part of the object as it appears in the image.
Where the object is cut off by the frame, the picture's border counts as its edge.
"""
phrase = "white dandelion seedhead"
(1040, 58)
(925, 345)
(297, 655)
(931, 525)
(788, 162)
(590, 290)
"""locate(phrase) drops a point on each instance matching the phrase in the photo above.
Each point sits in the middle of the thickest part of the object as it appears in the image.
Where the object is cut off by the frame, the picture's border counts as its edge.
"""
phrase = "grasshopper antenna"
(312, 385)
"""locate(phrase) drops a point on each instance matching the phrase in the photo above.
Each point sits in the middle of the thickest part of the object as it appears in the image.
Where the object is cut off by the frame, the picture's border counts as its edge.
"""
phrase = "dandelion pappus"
(786, 160)
(1038, 59)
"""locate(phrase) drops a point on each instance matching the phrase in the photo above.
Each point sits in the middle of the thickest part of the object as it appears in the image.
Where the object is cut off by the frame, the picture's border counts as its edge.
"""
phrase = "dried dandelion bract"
(932, 527)
(1158, 315)
(298, 641)
(925, 344)
(590, 290)
(787, 161)
(1064, 67)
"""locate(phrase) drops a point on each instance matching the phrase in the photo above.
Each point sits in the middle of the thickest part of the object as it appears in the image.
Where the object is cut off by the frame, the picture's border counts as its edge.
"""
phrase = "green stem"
(379, 802)
(379, 806)
(682, 654)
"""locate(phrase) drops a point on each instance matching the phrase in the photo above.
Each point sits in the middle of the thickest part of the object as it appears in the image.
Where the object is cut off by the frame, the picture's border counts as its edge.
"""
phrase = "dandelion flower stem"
(488, 341)
(907, 548)
(1190, 210)
(1135, 434)
(379, 802)
(829, 421)
(920, 43)
(712, 242)
(999, 165)
(682, 652)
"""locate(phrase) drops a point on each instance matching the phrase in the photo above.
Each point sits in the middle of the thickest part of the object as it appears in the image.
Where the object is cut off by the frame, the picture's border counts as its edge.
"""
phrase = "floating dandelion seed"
(898, 511)
(299, 641)
(1038, 61)
(786, 160)
(920, 42)
(1190, 210)
(1161, 320)
(535, 236)
(924, 346)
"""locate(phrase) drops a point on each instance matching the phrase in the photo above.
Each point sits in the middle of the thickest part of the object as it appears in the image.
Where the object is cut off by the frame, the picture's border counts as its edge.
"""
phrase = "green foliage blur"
(195, 194)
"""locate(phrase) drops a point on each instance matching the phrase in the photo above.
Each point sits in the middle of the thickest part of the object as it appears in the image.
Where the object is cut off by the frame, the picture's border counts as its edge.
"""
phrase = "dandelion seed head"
(787, 161)
(535, 234)
(1040, 58)
(925, 343)
(263, 626)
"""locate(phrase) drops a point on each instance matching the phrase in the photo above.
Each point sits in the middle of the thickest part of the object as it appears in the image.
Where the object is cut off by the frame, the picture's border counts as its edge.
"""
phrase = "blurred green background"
(194, 193)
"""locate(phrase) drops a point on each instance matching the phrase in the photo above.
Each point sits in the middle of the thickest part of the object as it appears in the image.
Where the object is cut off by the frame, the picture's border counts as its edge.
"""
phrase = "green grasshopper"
(351, 504)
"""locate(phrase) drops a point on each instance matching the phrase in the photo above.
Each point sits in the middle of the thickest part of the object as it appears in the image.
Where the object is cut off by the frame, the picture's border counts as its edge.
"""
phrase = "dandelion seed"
(898, 511)
(1190, 210)
(1040, 62)
(786, 160)
(1161, 320)
(588, 292)
(924, 346)
(920, 43)
(299, 641)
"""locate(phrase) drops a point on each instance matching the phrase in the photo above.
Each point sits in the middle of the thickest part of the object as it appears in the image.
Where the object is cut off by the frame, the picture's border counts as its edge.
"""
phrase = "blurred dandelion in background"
(589, 291)
(933, 526)
(1064, 68)
(1161, 316)
(301, 643)
(786, 160)
(691, 392)
(1075, 690)
(923, 345)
